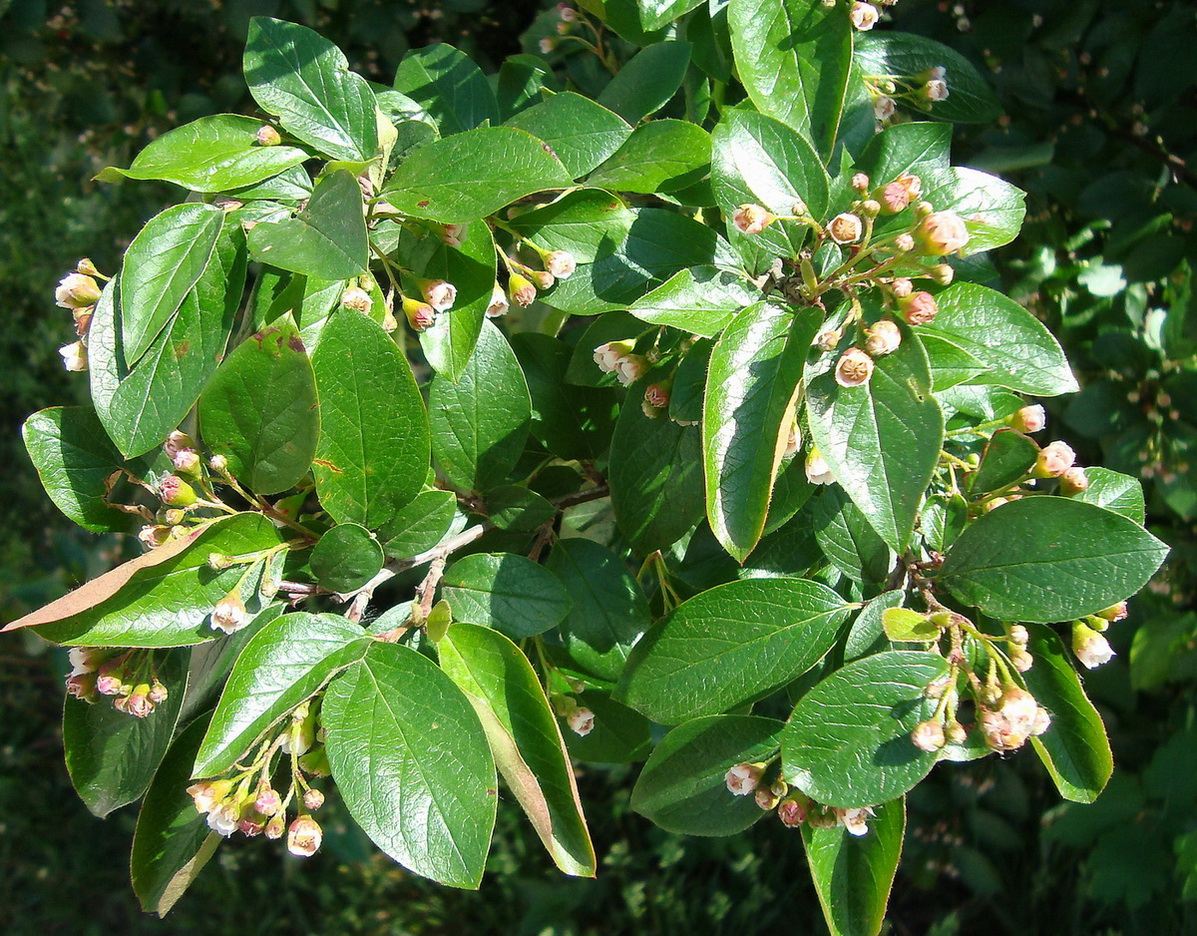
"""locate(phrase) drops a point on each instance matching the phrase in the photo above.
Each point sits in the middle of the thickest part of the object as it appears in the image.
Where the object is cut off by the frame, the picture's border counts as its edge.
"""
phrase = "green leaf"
(752, 386)
(794, 58)
(655, 14)
(1007, 458)
(479, 424)
(211, 662)
(866, 636)
(260, 410)
(420, 525)
(165, 604)
(449, 86)
(473, 174)
(655, 476)
(374, 440)
(325, 239)
(903, 148)
(524, 738)
(1113, 491)
(588, 223)
(165, 260)
(1015, 348)
(412, 764)
(993, 210)
(853, 875)
(683, 786)
(848, 540)
(609, 610)
(580, 132)
(730, 645)
(647, 81)
(757, 159)
(848, 742)
(172, 842)
(304, 80)
(1049, 559)
(660, 156)
(75, 459)
(110, 755)
(970, 98)
(346, 558)
(449, 343)
(903, 624)
(690, 382)
(286, 663)
(618, 736)
(701, 300)
(512, 507)
(1074, 749)
(882, 439)
(212, 154)
(514, 595)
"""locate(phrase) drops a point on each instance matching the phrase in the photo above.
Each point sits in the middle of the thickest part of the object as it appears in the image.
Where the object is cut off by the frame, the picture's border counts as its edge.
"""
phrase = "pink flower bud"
(919, 308)
(109, 684)
(828, 339)
(913, 185)
(882, 338)
(313, 799)
(657, 395)
(942, 232)
(793, 439)
(82, 686)
(846, 228)
(86, 267)
(230, 614)
(935, 90)
(1074, 480)
(904, 243)
(607, 356)
(158, 693)
(1021, 660)
(304, 837)
(791, 813)
(864, 16)
(884, 108)
(547, 45)
(420, 315)
(817, 469)
(268, 136)
(74, 357)
(561, 263)
(1116, 612)
(567, 13)
(453, 234)
(894, 198)
(219, 465)
(1028, 419)
(521, 290)
(438, 294)
(1090, 647)
(542, 279)
(766, 798)
(498, 303)
(943, 274)
(742, 779)
(187, 462)
(580, 721)
(357, 298)
(955, 733)
(1007, 726)
(76, 291)
(1019, 635)
(901, 287)
(274, 828)
(854, 821)
(268, 802)
(631, 368)
(249, 827)
(175, 492)
(1053, 460)
(82, 322)
(928, 735)
(855, 368)
(860, 182)
(868, 208)
(752, 219)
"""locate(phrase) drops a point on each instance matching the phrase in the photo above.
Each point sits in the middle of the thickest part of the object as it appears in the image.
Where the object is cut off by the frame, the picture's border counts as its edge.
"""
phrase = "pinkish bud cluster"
(618, 358)
(882, 338)
(1053, 460)
(1014, 717)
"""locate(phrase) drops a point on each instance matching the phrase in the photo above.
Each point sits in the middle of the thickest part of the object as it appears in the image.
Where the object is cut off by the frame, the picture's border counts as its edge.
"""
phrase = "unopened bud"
(928, 735)
(86, 267)
(942, 232)
(882, 338)
(919, 308)
(76, 291)
(175, 492)
(894, 198)
(74, 357)
(219, 561)
(139, 704)
(567, 13)
(828, 339)
(1019, 635)
(158, 693)
(1074, 480)
(498, 303)
(860, 182)
(935, 90)
(869, 208)
(1116, 612)
(543, 279)
(438, 293)
(187, 462)
(766, 798)
(1021, 660)
(520, 290)
(453, 234)
(109, 684)
(1053, 460)
(863, 15)
(904, 243)
(943, 274)
(275, 827)
(313, 799)
(791, 812)
(357, 298)
(547, 45)
(268, 136)
(219, 465)
(304, 837)
(955, 733)
(580, 721)
(561, 263)
(742, 779)
(752, 219)
(846, 228)
(268, 802)
(1043, 721)
(1090, 647)
(1028, 419)
(420, 315)
(855, 368)
(230, 613)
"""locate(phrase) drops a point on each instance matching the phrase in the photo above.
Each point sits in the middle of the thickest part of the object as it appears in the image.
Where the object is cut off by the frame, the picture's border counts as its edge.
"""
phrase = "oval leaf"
(346, 558)
(514, 595)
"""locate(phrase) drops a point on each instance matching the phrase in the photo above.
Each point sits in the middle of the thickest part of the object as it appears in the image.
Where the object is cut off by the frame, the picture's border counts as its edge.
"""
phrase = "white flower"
(884, 108)
(1090, 647)
(581, 721)
(864, 16)
(498, 303)
(855, 821)
(74, 356)
(742, 779)
(223, 819)
(817, 469)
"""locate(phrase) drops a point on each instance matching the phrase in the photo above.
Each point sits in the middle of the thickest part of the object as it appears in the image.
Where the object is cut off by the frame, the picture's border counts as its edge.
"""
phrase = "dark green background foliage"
(1100, 106)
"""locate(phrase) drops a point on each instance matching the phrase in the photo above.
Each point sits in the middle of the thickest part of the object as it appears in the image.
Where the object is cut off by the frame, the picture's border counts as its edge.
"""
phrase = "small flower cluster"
(1089, 643)
(793, 807)
(915, 91)
(248, 803)
(525, 283)
(129, 677)
(620, 358)
(79, 292)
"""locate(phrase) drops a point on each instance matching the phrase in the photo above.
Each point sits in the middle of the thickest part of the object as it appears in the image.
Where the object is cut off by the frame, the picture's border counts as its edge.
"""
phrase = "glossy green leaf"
(374, 441)
(165, 260)
(992, 209)
(1074, 749)
(647, 81)
(701, 300)
(853, 874)
(420, 525)
(659, 156)
(524, 737)
(286, 663)
(260, 410)
(449, 86)
(514, 595)
(866, 636)
(473, 174)
(1114, 491)
(1049, 559)
(794, 59)
(110, 755)
(161, 605)
(513, 507)
(304, 80)
(683, 786)
(609, 610)
(172, 842)
(619, 734)
(211, 662)
(881, 439)
(212, 154)
(905, 625)
(587, 223)
(752, 384)
(479, 424)
(690, 382)
(1007, 458)
(657, 13)
(346, 558)
(760, 160)
(729, 645)
(848, 740)
(848, 540)
(582, 133)
(412, 763)
(655, 477)
(75, 460)
(325, 239)
(1016, 349)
